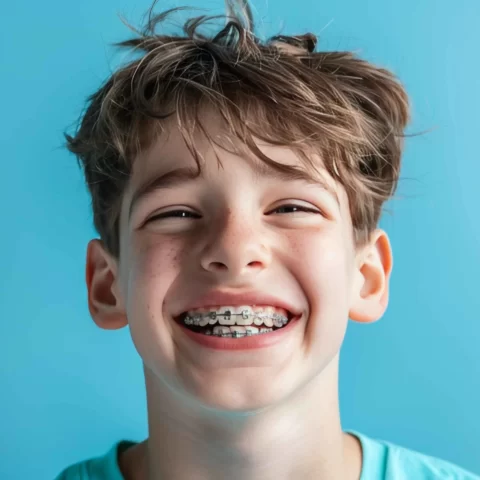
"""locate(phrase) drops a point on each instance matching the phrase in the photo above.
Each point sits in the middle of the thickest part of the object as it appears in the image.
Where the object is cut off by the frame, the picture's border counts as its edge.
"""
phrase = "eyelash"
(172, 213)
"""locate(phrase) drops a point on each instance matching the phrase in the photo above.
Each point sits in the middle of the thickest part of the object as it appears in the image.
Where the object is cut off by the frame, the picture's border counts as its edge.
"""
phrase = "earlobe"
(104, 299)
(370, 295)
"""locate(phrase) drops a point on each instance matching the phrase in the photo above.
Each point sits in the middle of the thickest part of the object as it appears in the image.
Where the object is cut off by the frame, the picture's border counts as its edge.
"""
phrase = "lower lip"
(251, 342)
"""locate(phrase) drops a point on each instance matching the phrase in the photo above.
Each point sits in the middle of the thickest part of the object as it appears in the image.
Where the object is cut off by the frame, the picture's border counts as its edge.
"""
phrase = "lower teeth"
(237, 334)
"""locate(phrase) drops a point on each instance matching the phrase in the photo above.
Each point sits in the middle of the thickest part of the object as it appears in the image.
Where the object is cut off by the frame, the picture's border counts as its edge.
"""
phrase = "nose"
(235, 250)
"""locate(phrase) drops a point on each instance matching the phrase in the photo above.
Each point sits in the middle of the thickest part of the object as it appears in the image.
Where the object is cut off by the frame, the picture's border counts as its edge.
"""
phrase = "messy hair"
(282, 91)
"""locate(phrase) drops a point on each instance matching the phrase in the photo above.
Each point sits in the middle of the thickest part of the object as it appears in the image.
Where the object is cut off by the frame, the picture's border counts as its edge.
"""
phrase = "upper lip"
(223, 298)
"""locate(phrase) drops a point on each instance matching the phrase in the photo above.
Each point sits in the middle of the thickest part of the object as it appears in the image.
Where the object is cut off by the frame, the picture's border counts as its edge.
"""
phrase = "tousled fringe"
(349, 112)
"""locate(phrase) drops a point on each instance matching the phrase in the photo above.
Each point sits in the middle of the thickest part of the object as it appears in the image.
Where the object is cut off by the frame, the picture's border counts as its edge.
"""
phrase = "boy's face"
(235, 237)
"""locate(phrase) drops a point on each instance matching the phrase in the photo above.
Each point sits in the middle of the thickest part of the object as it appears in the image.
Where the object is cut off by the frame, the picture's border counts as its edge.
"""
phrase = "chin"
(238, 397)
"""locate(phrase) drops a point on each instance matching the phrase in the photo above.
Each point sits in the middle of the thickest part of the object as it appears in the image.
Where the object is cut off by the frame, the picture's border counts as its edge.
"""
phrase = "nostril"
(255, 264)
(218, 266)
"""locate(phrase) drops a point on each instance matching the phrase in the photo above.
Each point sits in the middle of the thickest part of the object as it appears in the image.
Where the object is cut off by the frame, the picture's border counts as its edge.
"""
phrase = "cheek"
(320, 262)
(154, 265)
(153, 268)
(152, 258)
(320, 265)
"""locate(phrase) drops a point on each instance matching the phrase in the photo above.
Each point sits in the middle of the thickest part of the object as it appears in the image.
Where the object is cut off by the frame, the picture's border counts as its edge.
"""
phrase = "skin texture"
(272, 413)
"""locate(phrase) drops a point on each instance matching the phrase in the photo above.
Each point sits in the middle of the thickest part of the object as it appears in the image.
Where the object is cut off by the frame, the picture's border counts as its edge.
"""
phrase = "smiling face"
(237, 227)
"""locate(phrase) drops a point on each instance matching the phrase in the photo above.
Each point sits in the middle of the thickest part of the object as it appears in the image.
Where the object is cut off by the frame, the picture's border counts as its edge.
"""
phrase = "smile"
(235, 322)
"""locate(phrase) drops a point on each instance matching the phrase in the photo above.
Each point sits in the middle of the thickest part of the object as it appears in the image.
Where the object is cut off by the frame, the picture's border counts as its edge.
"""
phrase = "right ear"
(105, 302)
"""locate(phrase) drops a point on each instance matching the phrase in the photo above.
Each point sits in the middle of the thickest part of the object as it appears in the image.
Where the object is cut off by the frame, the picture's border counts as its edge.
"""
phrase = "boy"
(236, 187)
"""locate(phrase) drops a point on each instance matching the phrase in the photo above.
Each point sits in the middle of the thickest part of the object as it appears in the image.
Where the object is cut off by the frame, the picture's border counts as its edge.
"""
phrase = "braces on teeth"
(239, 334)
(278, 321)
(245, 314)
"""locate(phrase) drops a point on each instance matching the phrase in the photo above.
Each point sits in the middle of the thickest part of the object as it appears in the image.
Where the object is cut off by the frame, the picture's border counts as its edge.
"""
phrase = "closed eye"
(284, 209)
(174, 214)
(292, 208)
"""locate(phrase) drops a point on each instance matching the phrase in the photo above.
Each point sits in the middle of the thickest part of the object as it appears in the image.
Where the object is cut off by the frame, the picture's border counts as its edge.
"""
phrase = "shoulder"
(74, 472)
(104, 467)
(383, 460)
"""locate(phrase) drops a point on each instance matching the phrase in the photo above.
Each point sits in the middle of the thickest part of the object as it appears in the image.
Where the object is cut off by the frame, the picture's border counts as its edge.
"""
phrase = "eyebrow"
(184, 175)
(169, 179)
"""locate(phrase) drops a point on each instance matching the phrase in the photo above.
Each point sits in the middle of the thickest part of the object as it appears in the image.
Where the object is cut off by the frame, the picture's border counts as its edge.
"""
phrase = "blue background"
(69, 389)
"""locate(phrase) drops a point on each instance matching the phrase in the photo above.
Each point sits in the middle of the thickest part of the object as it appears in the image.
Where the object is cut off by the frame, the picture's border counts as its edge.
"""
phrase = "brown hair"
(282, 91)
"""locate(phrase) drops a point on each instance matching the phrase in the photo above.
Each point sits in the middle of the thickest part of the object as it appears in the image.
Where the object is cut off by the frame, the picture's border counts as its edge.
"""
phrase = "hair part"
(282, 91)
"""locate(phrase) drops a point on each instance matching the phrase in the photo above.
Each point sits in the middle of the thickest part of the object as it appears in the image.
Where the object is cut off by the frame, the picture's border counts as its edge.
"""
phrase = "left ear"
(370, 290)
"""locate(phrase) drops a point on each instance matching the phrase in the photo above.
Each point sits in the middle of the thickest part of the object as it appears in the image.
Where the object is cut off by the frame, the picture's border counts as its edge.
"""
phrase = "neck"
(300, 438)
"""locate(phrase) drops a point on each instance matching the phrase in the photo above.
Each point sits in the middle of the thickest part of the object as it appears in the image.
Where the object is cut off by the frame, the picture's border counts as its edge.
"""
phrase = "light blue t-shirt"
(381, 461)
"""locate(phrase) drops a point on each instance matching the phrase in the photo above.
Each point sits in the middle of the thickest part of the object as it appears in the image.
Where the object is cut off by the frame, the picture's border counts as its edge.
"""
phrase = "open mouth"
(235, 322)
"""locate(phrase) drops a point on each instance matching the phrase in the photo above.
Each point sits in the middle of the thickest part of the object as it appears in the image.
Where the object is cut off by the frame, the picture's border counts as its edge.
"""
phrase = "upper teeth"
(241, 315)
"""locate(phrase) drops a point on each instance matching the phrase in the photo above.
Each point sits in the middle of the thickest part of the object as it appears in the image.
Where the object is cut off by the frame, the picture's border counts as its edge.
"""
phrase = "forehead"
(214, 144)
(169, 150)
